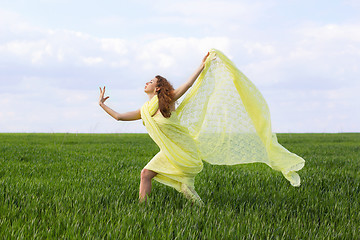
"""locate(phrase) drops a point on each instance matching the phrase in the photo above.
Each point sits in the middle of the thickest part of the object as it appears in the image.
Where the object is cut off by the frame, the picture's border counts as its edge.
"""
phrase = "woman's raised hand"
(204, 59)
(101, 98)
(202, 65)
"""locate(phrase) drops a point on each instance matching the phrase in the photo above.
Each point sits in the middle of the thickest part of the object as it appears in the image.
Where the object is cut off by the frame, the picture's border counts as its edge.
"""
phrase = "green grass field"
(85, 186)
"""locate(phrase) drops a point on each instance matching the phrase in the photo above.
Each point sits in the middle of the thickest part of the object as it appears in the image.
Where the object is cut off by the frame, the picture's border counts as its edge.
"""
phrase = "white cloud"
(165, 53)
(93, 60)
(56, 89)
(313, 57)
(257, 48)
(114, 45)
(309, 76)
(314, 110)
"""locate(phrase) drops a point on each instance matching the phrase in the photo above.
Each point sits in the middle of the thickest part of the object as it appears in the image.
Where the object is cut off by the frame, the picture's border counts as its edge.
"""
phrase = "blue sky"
(302, 55)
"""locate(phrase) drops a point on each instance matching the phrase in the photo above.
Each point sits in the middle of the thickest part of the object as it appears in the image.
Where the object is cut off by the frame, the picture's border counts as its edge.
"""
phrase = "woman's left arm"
(183, 88)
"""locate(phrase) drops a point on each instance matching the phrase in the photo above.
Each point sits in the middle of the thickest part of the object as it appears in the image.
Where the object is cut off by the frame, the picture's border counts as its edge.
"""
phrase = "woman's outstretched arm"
(129, 116)
(183, 88)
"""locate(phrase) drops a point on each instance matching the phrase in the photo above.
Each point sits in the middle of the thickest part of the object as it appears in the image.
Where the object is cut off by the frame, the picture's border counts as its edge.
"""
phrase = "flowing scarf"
(230, 120)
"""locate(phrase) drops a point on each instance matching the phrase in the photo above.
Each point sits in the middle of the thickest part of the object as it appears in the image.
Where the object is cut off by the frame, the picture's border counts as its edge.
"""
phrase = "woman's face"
(151, 86)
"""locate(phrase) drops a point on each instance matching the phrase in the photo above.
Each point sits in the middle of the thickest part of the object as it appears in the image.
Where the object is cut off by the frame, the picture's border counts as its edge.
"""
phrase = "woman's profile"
(222, 120)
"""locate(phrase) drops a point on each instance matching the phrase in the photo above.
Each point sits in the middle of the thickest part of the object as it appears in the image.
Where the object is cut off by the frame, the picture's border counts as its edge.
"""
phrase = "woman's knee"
(147, 174)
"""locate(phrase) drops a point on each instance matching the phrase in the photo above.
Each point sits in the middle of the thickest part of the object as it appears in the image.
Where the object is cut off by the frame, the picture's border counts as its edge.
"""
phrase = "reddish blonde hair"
(165, 95)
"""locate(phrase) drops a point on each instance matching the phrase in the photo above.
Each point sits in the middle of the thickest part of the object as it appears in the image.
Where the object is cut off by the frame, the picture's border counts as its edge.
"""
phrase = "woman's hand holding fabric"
(204, 60)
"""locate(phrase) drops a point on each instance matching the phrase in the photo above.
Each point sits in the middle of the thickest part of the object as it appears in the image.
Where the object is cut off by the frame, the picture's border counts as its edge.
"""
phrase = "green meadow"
(85, 186)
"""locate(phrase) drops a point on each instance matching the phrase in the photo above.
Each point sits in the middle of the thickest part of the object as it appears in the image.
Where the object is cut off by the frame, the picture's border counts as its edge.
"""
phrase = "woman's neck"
(151, 95)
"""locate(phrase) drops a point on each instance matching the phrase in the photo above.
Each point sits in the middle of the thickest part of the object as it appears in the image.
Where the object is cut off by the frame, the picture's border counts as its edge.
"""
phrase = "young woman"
(223, 120)
(178, 161)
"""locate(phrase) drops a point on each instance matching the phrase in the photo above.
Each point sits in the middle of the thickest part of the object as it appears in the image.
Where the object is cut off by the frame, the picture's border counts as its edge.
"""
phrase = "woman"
(178, 161)
(223, 120)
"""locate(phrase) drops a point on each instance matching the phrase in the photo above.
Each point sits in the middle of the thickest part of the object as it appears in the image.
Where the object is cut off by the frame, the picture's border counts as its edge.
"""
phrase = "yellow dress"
(223, 120)
(178, 161)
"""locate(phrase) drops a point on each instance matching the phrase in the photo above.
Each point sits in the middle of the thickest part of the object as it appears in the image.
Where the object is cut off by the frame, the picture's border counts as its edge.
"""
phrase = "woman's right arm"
(129, 116)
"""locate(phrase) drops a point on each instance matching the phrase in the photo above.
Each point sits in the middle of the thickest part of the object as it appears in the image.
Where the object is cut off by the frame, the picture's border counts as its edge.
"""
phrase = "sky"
(55, 54)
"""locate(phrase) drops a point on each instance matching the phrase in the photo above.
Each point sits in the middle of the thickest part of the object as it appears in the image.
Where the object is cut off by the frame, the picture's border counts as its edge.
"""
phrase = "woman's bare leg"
(145, 183)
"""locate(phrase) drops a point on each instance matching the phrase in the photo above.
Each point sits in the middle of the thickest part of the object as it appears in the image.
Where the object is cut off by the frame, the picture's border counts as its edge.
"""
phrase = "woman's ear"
(157, 89)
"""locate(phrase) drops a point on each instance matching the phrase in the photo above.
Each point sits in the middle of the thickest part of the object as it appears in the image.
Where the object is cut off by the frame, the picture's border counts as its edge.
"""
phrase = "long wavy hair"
(165, 95)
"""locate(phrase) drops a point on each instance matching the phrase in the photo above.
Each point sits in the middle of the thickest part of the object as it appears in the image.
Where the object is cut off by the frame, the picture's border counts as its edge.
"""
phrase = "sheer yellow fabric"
(230, 120)
(222, 120)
